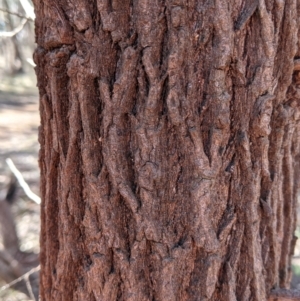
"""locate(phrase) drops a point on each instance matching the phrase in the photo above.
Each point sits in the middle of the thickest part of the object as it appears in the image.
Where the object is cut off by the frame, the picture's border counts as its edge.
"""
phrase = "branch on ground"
(9, 34)
(32, 196)
(20, 270)
(28, 8)
(16, 14)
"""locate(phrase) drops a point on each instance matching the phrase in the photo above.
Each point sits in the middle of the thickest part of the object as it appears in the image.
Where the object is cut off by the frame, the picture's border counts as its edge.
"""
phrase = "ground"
(19, 121)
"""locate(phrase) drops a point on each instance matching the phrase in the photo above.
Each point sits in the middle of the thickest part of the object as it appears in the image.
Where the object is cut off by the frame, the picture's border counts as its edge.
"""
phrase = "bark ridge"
(169, 148)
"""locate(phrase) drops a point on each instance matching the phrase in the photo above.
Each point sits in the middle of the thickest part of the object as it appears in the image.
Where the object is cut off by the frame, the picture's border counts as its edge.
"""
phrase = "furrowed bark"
(169, 148)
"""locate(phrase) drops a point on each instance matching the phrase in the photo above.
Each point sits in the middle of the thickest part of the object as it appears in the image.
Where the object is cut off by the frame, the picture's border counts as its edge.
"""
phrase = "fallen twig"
(16, 266)
(9, 34)
(31, 195)
(30, 62)
(16, 14)
(23, 277)
(28, 9)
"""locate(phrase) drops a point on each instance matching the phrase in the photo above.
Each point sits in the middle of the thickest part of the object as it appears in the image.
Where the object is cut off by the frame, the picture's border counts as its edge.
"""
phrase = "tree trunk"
(169, 148)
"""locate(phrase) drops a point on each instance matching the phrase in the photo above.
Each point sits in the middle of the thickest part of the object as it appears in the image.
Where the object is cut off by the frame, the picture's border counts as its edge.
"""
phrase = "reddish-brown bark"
(169, 148)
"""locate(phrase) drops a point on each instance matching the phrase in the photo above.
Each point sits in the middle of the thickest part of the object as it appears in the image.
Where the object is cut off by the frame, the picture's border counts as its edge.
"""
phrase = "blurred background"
(19, 121)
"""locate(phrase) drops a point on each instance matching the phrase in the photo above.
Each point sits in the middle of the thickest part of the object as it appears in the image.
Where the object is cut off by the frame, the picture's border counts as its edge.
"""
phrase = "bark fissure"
(169, 148)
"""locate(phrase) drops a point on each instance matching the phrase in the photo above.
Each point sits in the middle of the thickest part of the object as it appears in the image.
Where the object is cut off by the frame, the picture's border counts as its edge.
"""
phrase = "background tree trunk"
(169, 148)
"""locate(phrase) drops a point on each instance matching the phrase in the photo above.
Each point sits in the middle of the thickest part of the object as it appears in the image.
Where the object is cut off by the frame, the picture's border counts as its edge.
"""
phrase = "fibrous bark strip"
(169, 148)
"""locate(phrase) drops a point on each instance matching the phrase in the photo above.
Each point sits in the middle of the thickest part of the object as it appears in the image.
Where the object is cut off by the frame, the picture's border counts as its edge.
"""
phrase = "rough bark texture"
(169, 148)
